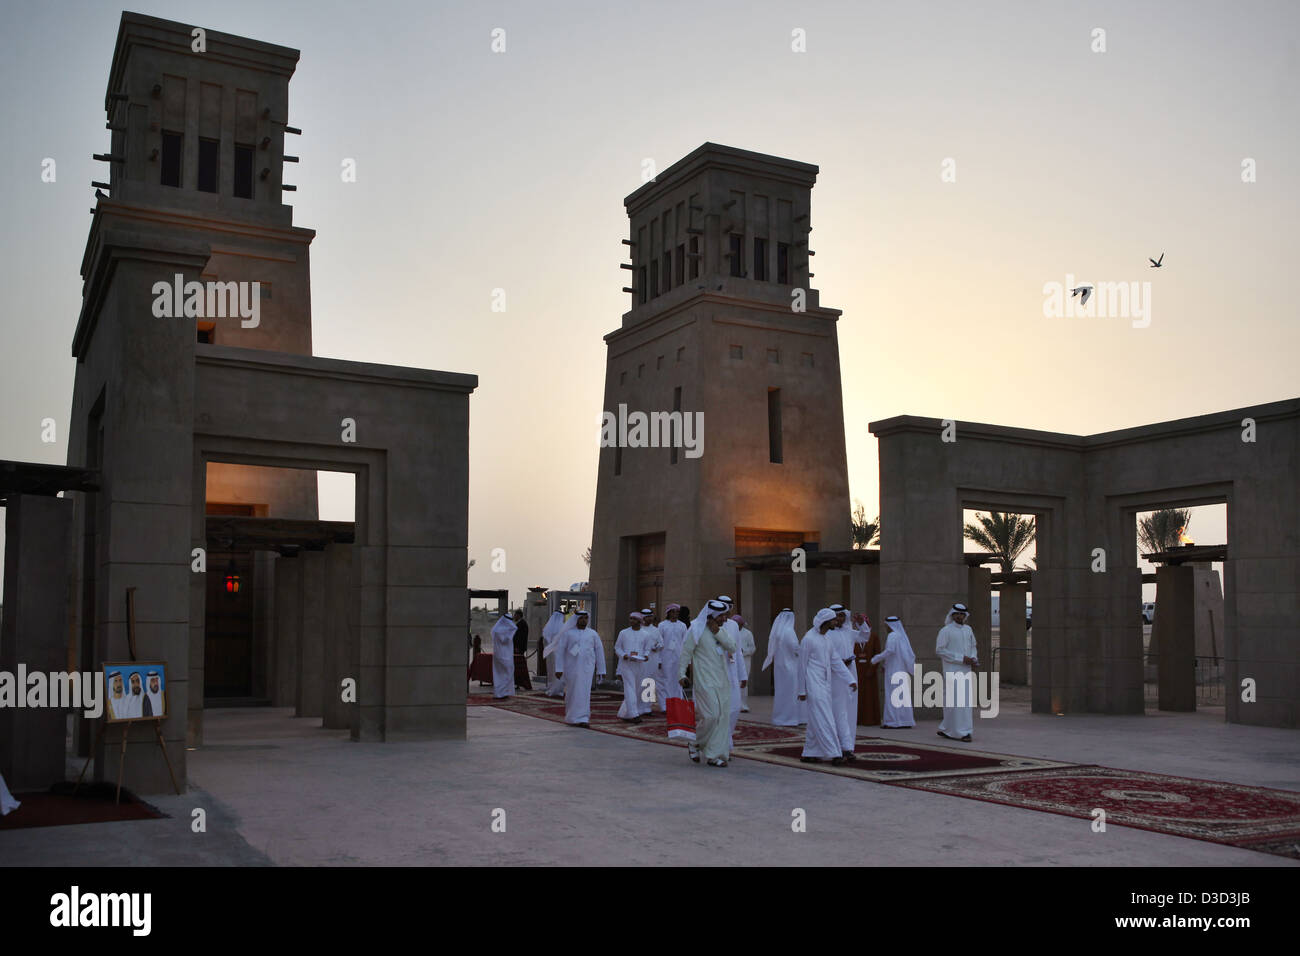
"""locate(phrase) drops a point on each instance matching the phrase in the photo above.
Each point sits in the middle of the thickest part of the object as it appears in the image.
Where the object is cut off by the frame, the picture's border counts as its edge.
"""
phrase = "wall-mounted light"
(232, 578)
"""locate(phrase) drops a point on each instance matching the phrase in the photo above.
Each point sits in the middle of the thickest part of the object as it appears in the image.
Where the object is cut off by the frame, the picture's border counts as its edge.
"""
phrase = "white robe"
(635, 642)
(134, 704)
(580, 655)
(819, 672)
(736, 672)
(783, 654)
(503, 657)
(155, 703)
(653, 670)
(7, 801)
(955, 642)
(747, 647)
(711, 686)
(898, 659)
(550, 636)
(117, 706)
(844, 700)
(672, 633)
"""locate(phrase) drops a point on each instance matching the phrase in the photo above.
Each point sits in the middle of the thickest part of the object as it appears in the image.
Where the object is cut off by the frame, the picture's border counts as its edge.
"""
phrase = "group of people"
(816, 681)
(815, 677)
(144, 698)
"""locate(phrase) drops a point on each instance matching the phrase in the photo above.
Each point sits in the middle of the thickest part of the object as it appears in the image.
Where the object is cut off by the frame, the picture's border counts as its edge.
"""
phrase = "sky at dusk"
(478, 171)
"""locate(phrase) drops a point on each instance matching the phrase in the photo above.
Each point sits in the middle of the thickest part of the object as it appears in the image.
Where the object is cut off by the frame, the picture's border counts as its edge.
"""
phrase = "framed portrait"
(135, 690)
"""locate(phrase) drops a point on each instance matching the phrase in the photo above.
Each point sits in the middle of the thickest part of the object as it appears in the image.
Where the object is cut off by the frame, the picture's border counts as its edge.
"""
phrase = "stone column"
(288, 625)
(311, 640)
(979, 599)
(38, 538)
(339, 637)
(1176, 587)
(1013, 656)
(756, 608)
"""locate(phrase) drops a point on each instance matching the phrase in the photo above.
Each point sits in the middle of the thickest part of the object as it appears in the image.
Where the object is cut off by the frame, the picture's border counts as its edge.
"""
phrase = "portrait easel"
(126, 724)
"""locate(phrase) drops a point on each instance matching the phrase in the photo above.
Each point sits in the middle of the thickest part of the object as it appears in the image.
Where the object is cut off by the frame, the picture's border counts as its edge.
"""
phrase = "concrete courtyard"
(280, 791)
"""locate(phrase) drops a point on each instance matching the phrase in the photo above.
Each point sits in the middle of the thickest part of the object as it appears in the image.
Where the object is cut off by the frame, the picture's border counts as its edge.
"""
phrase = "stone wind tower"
(720, 258)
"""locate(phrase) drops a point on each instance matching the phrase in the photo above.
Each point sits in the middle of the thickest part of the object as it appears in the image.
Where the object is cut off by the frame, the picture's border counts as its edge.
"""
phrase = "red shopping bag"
(681, 719)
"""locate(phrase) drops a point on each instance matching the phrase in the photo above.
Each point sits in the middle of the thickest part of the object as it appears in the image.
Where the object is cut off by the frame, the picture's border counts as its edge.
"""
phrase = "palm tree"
(1002, 534)
(865, 533)
(1160, 530)
(586, 556)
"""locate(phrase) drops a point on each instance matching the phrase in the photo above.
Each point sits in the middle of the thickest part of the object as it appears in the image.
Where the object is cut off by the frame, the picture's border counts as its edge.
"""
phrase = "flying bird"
(1156, 263)
(1085, 290)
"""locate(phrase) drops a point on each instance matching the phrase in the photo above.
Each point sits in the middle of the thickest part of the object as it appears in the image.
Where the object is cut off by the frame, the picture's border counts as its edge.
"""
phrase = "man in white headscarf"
(579, 655)
(898, 660)
(738, 673)
(746, 649)
(704, 652)
(153, 698)
(503, 657)
(650, 670)
(134, 706)
(956, 648)
(550, 635)
(116, 695)
(843, 700)
(819, 671)
(630, 648)
(672, 633)
(783, 651)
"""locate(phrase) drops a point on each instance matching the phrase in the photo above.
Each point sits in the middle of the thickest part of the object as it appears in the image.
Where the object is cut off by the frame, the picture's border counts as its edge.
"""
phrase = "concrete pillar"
(340, 637)
(809, 597)
(38, 538)
(1013, 653)
(979, 598)
(756, 608)
(311, 639)
(288, 625)
(1177, 681)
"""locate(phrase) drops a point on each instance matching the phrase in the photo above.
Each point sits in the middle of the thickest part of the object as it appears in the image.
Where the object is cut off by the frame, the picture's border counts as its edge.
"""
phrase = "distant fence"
(1209, 683)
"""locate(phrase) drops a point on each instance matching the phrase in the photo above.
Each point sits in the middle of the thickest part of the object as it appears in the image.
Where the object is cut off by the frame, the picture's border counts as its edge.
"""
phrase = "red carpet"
(1254, 818)
(92, 804)
(889, 761)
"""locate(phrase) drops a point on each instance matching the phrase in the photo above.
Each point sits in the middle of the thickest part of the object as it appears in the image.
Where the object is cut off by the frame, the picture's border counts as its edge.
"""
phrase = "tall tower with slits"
(726, 330)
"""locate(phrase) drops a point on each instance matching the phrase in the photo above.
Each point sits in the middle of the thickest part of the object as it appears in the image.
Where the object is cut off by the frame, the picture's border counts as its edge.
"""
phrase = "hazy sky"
(479, 170)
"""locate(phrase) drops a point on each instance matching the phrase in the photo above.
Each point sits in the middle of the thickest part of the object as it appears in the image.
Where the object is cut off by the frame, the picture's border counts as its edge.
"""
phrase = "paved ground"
(280, 790)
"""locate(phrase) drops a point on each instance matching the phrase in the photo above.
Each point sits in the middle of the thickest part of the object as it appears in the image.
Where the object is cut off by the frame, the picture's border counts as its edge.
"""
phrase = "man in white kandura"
(650, 669)
(843, 700)
(503, 656)
(956, 648)
(580, 655)
(550, 635)
(738, 673)
(153, 698)
(783, 652)
(747, 646)
(672, 632)
(898, 660)
(630, 649)
(819, 671)
(704, 652)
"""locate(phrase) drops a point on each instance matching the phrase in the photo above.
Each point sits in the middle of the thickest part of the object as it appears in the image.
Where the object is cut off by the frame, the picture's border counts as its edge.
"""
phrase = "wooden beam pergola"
(288, 536)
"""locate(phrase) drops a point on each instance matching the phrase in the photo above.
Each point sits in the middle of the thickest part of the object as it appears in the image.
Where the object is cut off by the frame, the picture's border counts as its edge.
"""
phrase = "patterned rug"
(888, 761)
(653, 727)
(1253, 818)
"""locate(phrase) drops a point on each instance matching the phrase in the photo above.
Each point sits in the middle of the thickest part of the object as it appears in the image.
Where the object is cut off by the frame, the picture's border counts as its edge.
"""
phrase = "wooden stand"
(121, 760)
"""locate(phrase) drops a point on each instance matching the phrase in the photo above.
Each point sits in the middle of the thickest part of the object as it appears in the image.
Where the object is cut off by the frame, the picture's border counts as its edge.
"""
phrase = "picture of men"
(137, 690)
